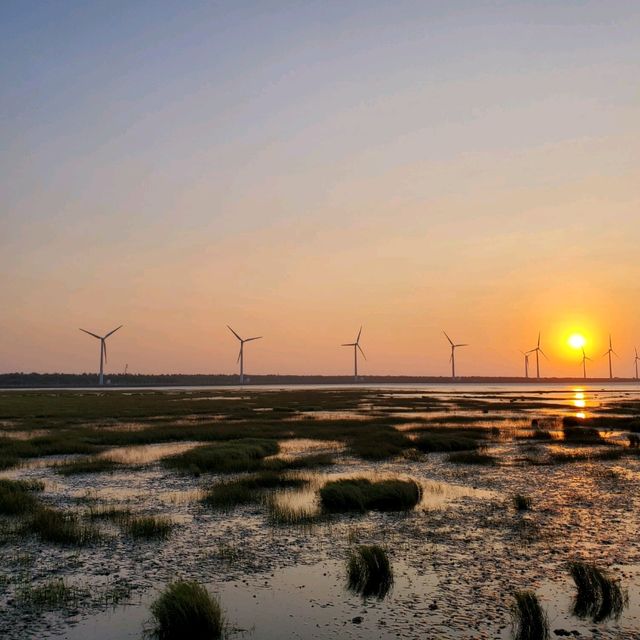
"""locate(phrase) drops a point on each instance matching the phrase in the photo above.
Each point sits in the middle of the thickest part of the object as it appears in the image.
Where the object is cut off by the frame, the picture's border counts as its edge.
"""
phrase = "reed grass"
(362, 494)
(529, 618)
(599, 595)
(369, 571)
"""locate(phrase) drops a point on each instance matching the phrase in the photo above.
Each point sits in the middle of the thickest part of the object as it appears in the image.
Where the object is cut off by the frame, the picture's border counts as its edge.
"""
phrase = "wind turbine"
(452, 359)
(526, 363)
(356, 347)
(636, 361)
(537, 350)
(608, 352)
(103, 350)
(241, 354)
(584, 363)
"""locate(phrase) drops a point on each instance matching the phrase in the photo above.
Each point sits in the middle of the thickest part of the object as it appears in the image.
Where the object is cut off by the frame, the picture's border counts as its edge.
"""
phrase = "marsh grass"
(575, 434)
(226, 457)
(362, 494)
(281, 511)
(115, 514)
(187, 610)
(16, 496)
(299, 463)
(471, 457)
(88, 465)
(446, 440)
(563, 457)
(379, 444)
(599, 595)
(530, 620)
(369, 571)
(521, 502)
(251, 489)
(52, 525)
(55, 594)
(147, 527)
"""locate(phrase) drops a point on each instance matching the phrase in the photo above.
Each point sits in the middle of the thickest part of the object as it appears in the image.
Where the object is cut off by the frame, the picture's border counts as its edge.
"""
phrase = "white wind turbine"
(356, 347)
(241, 354)
(538, 350)
(452, 358)
(584, 364)
(103, 349)
(608, 352)
(526, 363)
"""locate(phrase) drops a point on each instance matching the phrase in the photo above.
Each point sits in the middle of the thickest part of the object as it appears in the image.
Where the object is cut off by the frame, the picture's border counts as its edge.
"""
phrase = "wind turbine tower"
(356, 347)
(636, 362)
(452, 358)
(526, 363)
(584, 364)
(241, 354)
(538, 350)
(103, 350)
(608, 352)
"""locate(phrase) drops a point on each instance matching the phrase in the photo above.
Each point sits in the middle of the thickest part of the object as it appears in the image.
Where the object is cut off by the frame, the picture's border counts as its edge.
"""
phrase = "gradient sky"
(297, 169)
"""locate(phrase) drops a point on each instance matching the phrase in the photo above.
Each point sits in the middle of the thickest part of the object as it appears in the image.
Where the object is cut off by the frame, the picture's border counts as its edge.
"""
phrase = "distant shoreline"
(126, 381)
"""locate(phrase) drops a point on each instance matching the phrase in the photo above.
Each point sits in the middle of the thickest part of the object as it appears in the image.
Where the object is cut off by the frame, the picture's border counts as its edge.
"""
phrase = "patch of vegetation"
(449, 440)
(379, 444)
(187, 610)
(562, 457)
(115, 514)
(231, 493)
(148, 527)
(369, 571)
(576, 434)
(521, 502)
(530, 620)
(299, 463)
(55, 594)
(471, 457)
(52, 525)
(283, 512)
(361, 494)
(599, 595)
(16, 496)
(228, 457)
(87, 465)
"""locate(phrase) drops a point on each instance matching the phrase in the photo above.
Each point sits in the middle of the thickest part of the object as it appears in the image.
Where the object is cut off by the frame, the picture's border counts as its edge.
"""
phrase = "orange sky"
(311, 170)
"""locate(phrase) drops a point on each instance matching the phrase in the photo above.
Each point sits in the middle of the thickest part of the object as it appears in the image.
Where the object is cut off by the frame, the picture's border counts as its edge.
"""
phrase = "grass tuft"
(51, 525)
(529, 618)
(599, 595)
(521, 502)
(187, 610)
(16, 496)
(369, 571)
(361, 494)
(148, 527)
(87, 465)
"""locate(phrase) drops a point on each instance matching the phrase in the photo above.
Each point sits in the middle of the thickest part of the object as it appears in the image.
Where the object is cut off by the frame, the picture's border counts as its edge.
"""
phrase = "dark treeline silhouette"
(48, 380)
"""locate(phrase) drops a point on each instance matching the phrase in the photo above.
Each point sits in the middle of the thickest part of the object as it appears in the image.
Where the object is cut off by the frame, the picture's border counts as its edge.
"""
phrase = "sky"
(299, 169)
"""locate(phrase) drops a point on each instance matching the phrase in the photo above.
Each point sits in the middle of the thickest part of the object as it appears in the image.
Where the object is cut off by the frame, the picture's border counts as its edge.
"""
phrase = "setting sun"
(577, 340)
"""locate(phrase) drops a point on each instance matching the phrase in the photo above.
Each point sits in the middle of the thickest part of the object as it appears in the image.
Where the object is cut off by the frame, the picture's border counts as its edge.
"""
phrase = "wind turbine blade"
(250, 339)
(543, 353)
(112, 332)
(234, 333)
(361, 351)
(104, 349)
(538, 339)
(614, 353)
(239, 355)
(92, 334)
(348, 344)
(461, 345)
(359, 333)
(448, 338)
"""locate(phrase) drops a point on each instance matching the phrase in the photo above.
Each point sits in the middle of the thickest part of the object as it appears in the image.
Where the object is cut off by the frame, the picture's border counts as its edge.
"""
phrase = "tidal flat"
(475, 496)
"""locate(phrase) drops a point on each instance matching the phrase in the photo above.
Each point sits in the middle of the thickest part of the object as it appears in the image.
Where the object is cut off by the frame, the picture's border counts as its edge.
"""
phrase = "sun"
(576, 340)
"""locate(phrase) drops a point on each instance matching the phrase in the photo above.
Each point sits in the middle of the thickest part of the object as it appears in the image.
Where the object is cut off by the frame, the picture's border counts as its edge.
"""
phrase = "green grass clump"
(148, 527)
(380, 444)
(521, 502)
(599, 595)
(187, 610)
(16, 496)
(55, 594)
(529, 618)
(471, 457)
(52, 525)
(455, 440)
(231, 493)
(87, 465)
(300, 463)
(361, 494)
(369, 571)
(226, 457)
